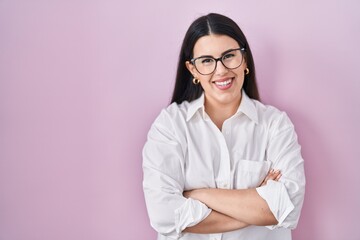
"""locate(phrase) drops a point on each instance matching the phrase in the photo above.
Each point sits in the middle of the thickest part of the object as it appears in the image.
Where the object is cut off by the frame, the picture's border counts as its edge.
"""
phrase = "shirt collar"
(194, 106)
(247, 106)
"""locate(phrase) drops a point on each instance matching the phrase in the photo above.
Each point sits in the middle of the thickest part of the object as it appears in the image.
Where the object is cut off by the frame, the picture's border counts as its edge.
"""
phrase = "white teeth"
(223, 83)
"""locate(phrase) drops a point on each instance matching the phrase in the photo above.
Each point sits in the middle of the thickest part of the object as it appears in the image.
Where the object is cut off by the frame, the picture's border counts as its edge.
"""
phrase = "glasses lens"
(205, 65)
(232, 59)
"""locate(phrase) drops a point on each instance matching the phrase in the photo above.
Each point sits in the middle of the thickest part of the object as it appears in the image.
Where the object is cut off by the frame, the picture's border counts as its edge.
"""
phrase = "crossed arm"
(233, 208)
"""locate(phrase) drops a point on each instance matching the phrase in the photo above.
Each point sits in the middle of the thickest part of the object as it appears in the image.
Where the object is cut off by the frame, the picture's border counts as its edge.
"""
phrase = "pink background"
(81, 82)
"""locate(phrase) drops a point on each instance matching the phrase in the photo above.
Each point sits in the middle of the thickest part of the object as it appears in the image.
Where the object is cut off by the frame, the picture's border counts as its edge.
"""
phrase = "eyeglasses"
(231, 59)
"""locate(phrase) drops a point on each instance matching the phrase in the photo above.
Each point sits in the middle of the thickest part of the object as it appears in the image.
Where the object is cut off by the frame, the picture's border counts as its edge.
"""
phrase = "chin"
(230, 98)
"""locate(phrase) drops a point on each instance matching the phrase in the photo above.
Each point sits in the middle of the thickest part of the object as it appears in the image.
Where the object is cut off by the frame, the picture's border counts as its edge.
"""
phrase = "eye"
(228, 56)
(206, 61)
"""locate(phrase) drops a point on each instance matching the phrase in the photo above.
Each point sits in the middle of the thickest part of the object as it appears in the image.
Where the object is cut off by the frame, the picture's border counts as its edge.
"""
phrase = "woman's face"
(223, 86)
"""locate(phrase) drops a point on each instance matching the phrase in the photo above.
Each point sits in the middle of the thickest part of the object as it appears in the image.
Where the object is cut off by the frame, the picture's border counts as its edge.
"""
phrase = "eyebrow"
(222, 54)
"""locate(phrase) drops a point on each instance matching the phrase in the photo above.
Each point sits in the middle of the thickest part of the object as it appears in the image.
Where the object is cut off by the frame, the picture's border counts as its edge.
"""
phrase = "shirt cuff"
(189, 214)
(277, 197)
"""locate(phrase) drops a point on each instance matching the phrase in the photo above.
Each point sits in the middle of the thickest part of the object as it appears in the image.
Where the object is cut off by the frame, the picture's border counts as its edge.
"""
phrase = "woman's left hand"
(272, 175)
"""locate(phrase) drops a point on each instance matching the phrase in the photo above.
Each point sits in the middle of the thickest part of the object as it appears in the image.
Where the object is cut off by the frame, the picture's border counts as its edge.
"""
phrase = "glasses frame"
(242, 50)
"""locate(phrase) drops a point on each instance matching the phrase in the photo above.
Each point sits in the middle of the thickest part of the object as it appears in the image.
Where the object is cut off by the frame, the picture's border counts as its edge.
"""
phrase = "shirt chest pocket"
(249, 173)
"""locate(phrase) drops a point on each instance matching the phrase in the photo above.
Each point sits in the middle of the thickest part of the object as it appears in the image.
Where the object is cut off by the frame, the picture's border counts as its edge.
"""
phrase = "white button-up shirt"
(185, 151)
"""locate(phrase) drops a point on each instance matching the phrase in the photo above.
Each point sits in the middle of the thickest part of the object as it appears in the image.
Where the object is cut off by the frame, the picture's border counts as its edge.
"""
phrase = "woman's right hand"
(272, 175)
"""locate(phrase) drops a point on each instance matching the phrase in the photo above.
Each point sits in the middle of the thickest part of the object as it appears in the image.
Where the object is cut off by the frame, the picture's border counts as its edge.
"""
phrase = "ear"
(191, 68)
(245, 62)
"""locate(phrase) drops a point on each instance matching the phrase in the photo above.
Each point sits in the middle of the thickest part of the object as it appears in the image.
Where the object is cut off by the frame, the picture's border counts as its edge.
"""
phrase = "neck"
(219, 112)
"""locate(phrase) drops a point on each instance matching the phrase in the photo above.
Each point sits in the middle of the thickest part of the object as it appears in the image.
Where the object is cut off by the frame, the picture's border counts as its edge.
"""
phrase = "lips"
(223, 84)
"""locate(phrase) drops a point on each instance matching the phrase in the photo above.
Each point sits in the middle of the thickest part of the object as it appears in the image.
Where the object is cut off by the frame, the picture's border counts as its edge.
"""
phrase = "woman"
(209, 158)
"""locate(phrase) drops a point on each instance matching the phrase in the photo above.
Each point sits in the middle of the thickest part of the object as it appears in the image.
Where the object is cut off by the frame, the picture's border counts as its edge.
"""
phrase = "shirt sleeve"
(285, 197)
(163, 167)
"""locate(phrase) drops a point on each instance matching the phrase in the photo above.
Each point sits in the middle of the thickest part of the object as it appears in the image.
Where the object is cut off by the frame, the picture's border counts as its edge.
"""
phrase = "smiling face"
(223, 86)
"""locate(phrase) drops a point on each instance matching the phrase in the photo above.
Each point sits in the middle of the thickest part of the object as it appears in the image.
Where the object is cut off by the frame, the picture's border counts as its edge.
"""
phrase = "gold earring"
(196, 81)
(247, 71)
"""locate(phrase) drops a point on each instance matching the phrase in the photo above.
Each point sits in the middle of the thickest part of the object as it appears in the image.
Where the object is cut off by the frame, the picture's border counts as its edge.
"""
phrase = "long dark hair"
(212, 23)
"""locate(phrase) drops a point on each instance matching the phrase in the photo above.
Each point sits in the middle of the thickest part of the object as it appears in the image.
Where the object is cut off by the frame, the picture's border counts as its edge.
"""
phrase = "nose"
(220, 67)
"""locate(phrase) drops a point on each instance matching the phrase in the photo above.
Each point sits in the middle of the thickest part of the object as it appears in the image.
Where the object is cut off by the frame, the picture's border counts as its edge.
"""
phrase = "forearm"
(244, 205)
(216, 223)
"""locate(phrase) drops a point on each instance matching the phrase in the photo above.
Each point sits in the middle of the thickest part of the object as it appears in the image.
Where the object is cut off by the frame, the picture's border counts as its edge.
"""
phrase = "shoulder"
(172, 118)
(173, 113)
(272, 117)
